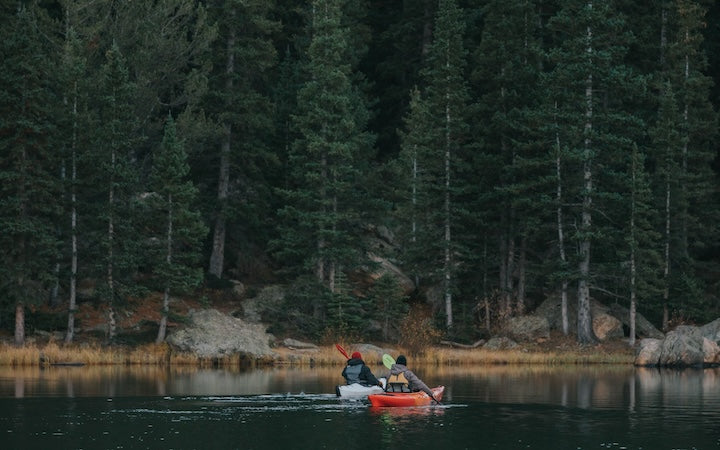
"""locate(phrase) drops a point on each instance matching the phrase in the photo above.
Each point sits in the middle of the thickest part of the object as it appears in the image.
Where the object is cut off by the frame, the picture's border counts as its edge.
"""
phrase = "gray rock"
(643, 327)
(648, 352)
(682, 347)
(214, 334)
(711, 330)
(607, 327)
(711, 351)
(528, 328)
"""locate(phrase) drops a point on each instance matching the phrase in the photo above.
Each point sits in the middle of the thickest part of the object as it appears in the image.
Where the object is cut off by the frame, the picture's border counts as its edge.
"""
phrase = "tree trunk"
(111, 237)
(521, 277)
(509, 287)
(69, 336)
(19, 325)
(683, 241)
(666, 268)
(162, 330)
(586, 335)
(448, 238)
(217, 257)
(72, 306)
(633, 272)
(561, 236)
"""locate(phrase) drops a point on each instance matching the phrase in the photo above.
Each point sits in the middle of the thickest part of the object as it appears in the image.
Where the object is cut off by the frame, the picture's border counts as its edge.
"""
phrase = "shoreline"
(83, 354)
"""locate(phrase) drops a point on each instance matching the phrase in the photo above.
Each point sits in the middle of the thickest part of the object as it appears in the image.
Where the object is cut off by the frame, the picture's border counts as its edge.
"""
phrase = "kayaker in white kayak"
(357, 372)
(402, 379)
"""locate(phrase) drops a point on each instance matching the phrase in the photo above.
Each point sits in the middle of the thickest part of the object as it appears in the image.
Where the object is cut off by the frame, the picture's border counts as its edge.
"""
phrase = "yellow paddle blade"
(388, 360)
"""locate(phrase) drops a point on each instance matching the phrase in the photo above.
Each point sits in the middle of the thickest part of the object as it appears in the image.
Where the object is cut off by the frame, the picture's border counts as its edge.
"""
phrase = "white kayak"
(357, 390)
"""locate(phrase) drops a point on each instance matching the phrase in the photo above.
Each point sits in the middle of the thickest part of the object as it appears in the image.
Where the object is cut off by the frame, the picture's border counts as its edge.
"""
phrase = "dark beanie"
(401, 360)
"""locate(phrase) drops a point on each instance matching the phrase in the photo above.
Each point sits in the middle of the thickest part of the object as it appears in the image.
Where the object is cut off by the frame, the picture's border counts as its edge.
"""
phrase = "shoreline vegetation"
(58, 354)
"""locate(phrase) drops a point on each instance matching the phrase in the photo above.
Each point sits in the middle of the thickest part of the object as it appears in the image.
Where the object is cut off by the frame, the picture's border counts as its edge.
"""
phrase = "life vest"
(398, 383)
(352, 373)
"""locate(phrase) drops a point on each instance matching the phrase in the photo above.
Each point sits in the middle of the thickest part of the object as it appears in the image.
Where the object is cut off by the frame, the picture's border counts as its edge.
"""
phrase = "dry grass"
(53, 353)
(551, 353)
(488, 357)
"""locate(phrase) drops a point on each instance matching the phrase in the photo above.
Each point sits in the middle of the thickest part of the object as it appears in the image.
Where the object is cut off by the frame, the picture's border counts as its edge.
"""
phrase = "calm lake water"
(502, 407)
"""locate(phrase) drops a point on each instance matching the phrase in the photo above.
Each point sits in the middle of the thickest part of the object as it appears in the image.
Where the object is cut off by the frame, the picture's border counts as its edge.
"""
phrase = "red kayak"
(406, 398)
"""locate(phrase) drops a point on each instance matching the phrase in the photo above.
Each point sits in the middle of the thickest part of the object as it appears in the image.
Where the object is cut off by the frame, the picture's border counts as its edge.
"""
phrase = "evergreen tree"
(113, 178)
(238, 103)
(388, 303)
(73, 75)
(446, 96)
(506, 71)
(321, 216)
(643, 254)
(693, 210)
(177, 259)
(411, 177)
(588, 60)
(29, 164)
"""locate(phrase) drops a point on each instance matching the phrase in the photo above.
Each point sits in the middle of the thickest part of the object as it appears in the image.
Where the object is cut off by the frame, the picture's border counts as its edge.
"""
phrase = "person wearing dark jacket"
(357, 372)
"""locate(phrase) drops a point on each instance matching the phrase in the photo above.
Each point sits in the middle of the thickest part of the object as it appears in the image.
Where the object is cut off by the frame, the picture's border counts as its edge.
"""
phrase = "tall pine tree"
(434, 154)
(177, 259)
(29, 164)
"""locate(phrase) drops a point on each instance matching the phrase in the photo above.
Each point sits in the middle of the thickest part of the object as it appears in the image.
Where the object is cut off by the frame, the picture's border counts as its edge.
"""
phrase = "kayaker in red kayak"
(357, 372)
(402, 379)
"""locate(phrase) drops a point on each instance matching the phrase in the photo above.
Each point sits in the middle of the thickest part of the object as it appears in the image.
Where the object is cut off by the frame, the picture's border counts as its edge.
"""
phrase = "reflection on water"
(502, 407)
(577, 386)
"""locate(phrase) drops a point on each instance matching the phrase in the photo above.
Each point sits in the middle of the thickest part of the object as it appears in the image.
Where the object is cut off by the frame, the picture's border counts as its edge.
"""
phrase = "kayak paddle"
(342, 350)
(388, 360)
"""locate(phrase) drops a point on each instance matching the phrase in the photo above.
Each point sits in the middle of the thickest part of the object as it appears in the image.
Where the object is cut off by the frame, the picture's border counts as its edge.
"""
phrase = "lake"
(502, 407)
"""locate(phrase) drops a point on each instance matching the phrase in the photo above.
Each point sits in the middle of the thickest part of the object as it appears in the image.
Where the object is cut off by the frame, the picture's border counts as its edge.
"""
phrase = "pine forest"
(457, 162)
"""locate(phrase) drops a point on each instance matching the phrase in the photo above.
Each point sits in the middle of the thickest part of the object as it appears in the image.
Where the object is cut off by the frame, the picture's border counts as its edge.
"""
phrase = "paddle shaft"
(342, 350)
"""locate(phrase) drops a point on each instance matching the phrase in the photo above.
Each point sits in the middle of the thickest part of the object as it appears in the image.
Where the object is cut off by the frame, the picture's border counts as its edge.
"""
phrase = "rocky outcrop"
(712, 331)
(682, 347)
(212, 334)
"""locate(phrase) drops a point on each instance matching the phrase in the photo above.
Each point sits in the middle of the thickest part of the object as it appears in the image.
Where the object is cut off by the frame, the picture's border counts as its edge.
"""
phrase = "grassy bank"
(151, 354)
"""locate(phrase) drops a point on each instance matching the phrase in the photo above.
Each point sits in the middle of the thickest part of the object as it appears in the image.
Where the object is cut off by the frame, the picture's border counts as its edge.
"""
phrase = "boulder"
(607, 327)
(711, 331)
(648, 352)
(682, 347)
(528, 328)
(643, 327)
(212, 334)
(711, 352)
